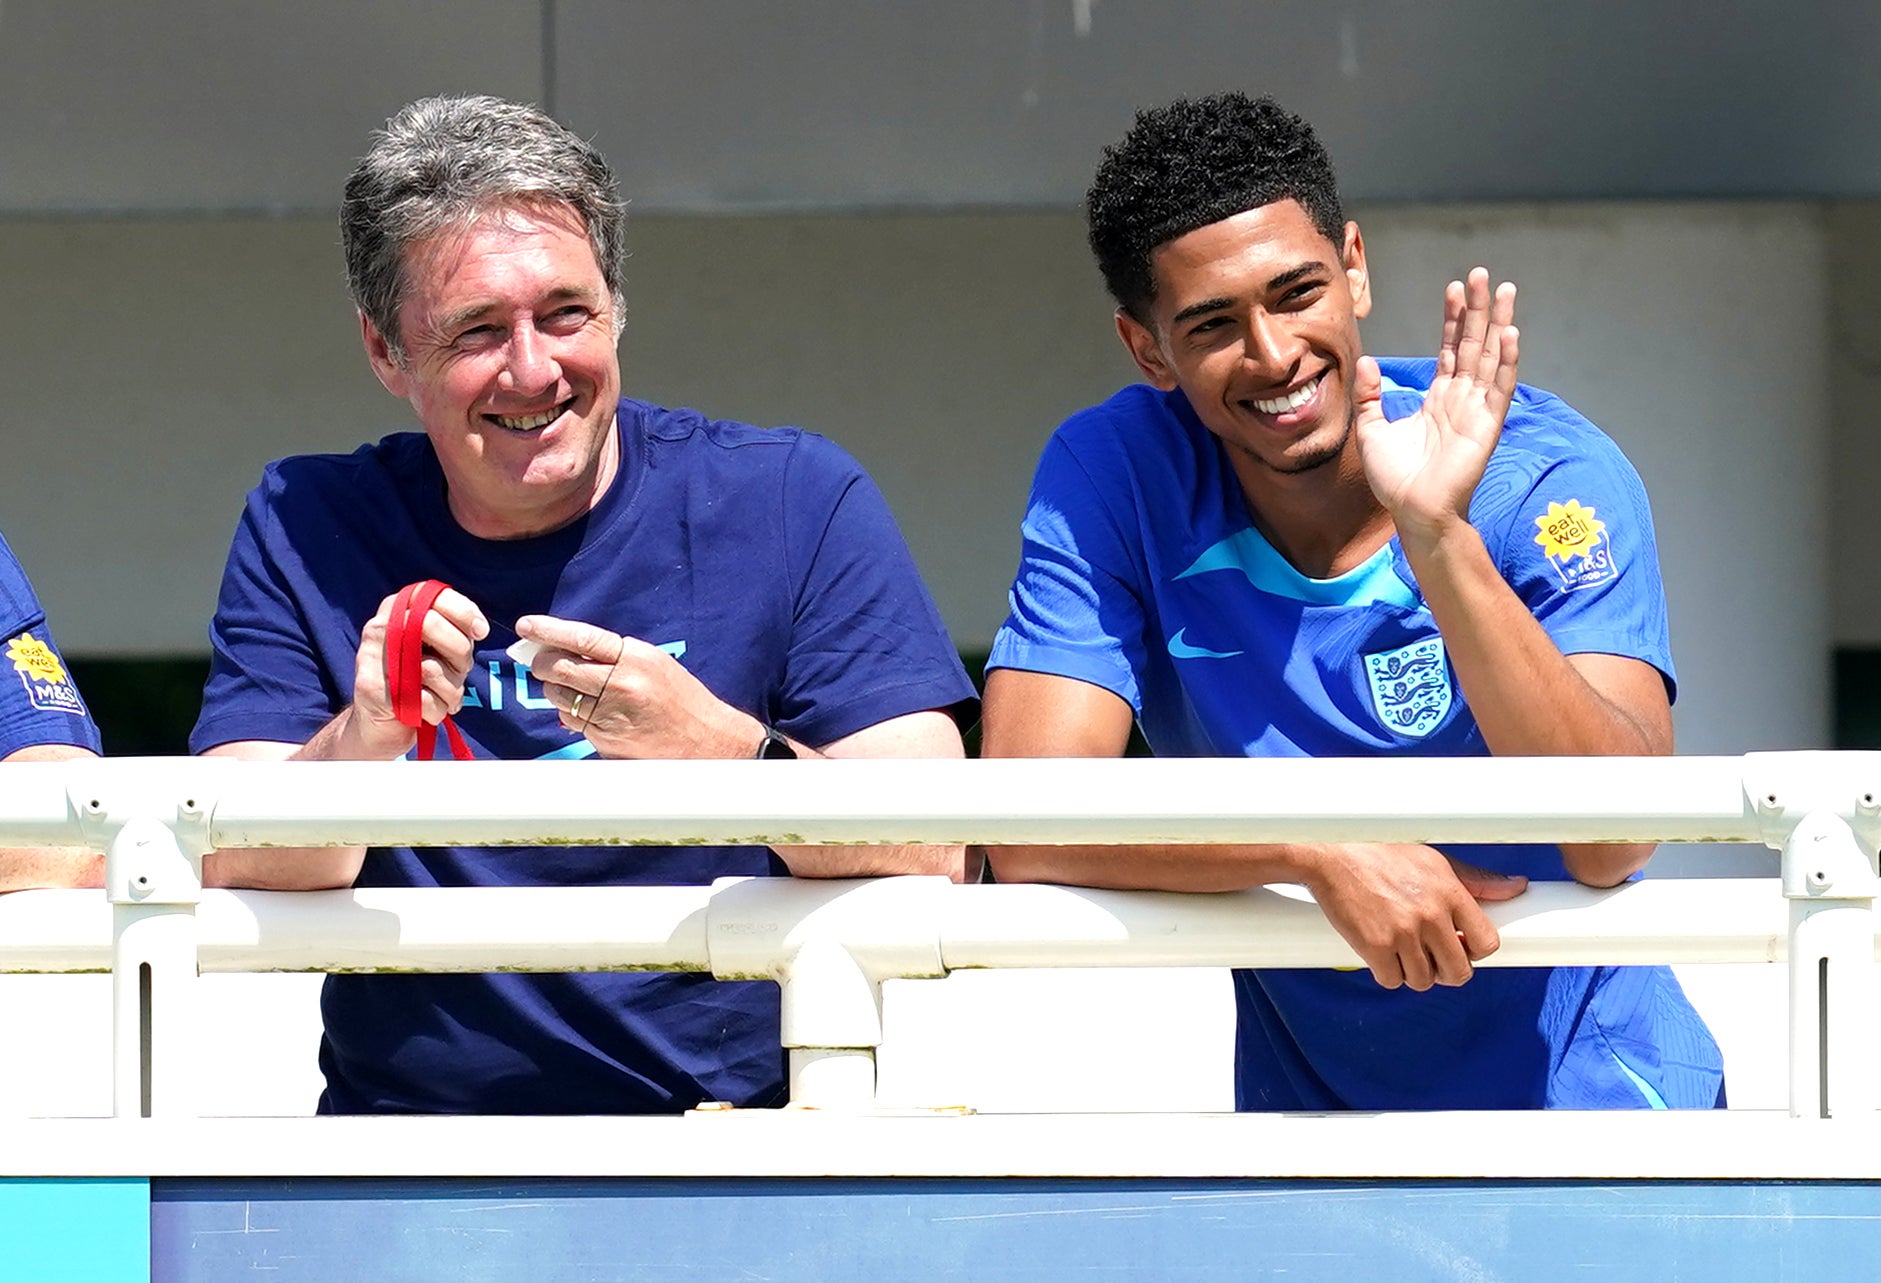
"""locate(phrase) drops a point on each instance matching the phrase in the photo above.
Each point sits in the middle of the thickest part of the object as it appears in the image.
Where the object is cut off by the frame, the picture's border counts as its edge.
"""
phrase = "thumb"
(1484, 885)
(1367, 391)
(587, 640)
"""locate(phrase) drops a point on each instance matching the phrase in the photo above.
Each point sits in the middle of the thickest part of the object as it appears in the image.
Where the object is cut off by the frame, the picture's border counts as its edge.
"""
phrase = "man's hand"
(631, 699)
(1410, 911)
(451, 631)
(1424, 468)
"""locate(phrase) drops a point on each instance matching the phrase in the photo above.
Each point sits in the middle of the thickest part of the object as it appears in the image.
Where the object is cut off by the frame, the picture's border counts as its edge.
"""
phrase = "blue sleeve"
(1074, 610)
(38, 702)
(266, 681)
(866, 640)
(1577, 546)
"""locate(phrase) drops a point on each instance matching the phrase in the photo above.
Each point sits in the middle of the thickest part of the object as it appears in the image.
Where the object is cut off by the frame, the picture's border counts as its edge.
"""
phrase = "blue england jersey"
(764, 560)
(1142, 573)
(38, 702)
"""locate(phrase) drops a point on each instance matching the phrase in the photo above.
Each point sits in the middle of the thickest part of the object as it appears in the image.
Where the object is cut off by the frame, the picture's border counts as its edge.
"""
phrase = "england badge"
(1410, 687)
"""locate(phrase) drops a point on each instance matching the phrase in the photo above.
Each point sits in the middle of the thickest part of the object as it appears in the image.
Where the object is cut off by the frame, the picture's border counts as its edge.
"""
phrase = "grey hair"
(442, 164)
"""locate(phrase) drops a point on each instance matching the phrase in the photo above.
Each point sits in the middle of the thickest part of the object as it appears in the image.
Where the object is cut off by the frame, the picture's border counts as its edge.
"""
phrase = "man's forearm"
(31, 868)
(1158, 868)
(1528, 698)
(874, 861)
(317, 868)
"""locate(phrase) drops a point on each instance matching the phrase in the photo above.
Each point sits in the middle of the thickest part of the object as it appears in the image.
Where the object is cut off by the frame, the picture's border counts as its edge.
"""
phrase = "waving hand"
(1425, 468)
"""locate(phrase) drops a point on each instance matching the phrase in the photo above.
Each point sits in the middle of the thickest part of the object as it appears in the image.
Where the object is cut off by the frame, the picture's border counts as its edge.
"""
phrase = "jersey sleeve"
(1074, 610)
(265, 678)
(866, 641)
(39, 704)
(1578, 548)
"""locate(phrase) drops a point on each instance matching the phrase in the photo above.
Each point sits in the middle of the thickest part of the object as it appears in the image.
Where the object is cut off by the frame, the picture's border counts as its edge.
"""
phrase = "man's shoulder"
(1542, 430)
(18, 605)
(729, 443)
(390, 460)
(1139, 432)
(1134, 409)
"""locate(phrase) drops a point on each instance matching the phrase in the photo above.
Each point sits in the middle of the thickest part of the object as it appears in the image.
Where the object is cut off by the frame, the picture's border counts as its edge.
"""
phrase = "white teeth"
(1299, 397)
(529, 422)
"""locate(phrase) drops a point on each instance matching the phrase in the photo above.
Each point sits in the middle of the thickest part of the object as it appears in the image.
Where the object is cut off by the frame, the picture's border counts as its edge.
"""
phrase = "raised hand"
(631, 699)
(452, 629)
(1424, 468)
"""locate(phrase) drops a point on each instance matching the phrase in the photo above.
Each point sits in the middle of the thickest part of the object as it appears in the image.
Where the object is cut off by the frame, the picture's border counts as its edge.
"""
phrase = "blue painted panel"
(74, 1231)
(993, 1231)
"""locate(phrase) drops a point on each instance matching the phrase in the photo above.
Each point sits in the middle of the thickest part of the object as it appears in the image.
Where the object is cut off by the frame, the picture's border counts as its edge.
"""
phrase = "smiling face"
(1255, 319)
(509, 361)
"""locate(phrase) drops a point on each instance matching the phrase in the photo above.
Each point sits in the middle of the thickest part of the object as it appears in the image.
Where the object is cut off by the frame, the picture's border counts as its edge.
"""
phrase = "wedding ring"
(574, 709)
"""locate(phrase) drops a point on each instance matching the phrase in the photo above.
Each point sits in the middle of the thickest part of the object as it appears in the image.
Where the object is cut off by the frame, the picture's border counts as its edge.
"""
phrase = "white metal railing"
(830, 945)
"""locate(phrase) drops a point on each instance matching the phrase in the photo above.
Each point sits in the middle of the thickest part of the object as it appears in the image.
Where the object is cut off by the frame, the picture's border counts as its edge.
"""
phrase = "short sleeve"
(1074, 610)
(1578, 548)
(39, 704)
(866, 641)
(266, 681)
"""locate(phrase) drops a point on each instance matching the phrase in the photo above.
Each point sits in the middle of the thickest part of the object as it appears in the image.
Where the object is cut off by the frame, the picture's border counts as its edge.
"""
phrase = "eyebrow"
(1280, 282)
(476, 311)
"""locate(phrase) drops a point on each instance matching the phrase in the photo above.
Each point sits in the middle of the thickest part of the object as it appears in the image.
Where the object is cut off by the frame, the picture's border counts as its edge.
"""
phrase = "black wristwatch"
(774, 747)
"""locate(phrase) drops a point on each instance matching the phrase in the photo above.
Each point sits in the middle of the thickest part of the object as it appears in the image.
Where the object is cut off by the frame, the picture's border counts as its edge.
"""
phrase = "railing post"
(829, 945)
(1830, 882)
(153, 879)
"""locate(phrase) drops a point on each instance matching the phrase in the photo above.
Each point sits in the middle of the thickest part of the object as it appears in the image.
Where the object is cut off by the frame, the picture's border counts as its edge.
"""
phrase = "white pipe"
(1551, 924)
(433, 929)
(1116, 801)
(558, 928)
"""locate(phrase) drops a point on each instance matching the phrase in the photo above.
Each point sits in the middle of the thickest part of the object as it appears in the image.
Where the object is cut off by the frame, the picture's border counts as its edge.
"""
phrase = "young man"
(1279, 548)
(698, 589)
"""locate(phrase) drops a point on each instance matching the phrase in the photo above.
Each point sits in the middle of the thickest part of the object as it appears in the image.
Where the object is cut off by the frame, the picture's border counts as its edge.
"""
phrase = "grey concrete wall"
(1854, 230)
(740, 105)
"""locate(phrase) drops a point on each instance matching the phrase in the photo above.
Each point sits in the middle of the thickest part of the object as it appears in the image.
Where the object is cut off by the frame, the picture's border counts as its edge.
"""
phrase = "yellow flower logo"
(36, 659)
(1569, 530)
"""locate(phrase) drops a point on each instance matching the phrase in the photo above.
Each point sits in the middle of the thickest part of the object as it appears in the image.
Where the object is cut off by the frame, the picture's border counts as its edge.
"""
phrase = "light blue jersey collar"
(1373, 582)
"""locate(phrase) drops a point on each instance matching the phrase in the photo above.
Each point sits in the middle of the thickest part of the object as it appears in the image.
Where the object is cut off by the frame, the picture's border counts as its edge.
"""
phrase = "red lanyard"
(404, 676)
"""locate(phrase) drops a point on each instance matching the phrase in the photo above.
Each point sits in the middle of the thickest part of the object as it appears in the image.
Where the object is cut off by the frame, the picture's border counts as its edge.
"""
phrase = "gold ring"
(574, 709)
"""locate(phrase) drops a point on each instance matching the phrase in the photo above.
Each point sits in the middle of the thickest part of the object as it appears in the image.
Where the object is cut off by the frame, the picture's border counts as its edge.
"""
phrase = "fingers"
(573, 708)
(1485, 885)
(585, 640)
(1452, 329)
(1502, 379)
(1479, 336)
(461, 612)
(1368, 389)
(1474, 324)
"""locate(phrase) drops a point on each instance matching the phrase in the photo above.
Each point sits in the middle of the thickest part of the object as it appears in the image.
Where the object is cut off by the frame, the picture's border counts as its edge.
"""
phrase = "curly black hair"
(1196, 162)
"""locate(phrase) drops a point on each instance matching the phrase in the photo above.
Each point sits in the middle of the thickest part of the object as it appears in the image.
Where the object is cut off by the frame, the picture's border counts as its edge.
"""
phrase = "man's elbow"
(1603, 865)
(1027, 864)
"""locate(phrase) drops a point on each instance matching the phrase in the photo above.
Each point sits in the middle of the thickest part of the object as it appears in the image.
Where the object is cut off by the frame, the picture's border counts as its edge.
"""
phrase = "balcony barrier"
(830, 944)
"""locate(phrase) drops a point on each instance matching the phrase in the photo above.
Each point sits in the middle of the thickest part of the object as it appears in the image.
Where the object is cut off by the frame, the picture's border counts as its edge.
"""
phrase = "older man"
(1278, 546)
(696, 589)
(42, 719)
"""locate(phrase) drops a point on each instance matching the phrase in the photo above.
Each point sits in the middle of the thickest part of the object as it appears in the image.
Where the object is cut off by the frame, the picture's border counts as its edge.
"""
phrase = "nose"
(1272, 348)
(531, 365)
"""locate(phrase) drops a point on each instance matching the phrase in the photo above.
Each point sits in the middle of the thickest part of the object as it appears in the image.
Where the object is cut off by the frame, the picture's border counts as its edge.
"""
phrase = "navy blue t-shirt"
(763, 559)
(38, 702)
(1142, 573)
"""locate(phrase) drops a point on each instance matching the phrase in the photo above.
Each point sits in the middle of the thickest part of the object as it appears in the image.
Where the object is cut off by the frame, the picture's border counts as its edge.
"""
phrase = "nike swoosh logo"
(1181, 649)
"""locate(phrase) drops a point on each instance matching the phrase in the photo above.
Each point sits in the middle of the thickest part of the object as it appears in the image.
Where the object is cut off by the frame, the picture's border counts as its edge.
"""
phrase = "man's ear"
(1144, 348)
(388, 368)
(1358, 276)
